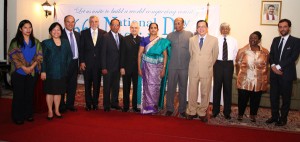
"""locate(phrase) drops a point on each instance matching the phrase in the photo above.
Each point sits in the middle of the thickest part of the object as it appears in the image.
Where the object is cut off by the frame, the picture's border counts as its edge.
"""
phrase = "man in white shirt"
(74, 39)
(223, 71)
(270, 15)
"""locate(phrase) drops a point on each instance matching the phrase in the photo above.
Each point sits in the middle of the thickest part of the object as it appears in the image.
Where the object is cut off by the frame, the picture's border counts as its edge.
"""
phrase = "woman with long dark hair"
(25, 55)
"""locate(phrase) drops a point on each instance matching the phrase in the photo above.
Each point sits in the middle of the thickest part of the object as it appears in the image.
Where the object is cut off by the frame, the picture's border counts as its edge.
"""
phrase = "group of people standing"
(150, 64)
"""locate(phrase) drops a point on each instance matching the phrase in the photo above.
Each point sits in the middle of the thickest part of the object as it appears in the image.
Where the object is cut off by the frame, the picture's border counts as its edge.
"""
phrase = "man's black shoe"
(271, 120)
(169, 113)
(116, 107)
(136, 110)
(280, 123)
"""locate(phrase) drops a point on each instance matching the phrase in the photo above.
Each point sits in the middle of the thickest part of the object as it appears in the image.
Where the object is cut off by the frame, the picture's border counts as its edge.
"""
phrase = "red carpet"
(125, 127)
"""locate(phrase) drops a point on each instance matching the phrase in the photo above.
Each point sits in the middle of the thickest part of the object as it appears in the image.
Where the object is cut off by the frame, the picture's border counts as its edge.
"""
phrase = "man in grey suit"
(178, 67)
(204, 52)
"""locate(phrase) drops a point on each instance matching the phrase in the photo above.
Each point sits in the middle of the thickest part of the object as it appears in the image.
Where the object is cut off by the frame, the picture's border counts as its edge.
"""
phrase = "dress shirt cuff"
(278, 67)
(272, 65)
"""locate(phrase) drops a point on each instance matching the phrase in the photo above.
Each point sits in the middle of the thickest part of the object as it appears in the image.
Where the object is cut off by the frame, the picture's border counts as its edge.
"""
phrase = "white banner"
(164, 16)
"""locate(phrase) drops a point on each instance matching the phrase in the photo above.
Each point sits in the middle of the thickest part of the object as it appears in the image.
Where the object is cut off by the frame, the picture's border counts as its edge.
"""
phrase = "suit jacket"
(88, 53)
(129, 53)
(110, 53)
(202, 61)
(77, 37)
(289, 56)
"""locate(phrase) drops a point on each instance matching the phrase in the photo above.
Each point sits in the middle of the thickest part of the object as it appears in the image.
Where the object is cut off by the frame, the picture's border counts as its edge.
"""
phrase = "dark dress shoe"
(240, 118)
(116, 107)
(125, 110)
(136, 110)
(88, 108)
(62, 110)
(280, 123)
(271, 120)
(19, 122)
(29, 119)
(169, 113)
(182, 115)
(95, 107)
(72, 109)
(203, 119)
(106, 109)
(253, 118)
(215, 115)
(228, 117)
(191, 117)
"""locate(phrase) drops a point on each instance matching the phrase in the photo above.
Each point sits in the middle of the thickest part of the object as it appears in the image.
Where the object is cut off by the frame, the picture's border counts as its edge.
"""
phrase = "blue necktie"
(201, 42)
(72, 43)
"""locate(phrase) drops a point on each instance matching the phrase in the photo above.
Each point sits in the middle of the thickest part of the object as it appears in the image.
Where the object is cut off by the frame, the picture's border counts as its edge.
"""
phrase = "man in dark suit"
(283, 55)
(129, 66)
(110, 58)
(90, 61)
(74, 40)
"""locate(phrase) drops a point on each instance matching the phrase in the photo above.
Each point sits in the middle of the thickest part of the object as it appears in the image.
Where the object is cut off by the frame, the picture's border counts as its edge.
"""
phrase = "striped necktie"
(225, 50)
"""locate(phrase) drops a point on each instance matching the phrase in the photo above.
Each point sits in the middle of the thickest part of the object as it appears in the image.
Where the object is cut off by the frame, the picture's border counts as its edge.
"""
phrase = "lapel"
(90, 38)
(113, 39)
(206, 42)
(131, 41)
(287, 45)
(77, 37)
(196, 43)
(64, 34)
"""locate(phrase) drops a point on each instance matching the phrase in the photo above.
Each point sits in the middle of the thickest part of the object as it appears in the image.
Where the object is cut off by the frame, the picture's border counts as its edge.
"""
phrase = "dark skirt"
(55, 86)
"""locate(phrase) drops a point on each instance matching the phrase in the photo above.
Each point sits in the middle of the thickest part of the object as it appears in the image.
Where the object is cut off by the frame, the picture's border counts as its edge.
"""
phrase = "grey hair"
(93, 16)
(134, 22)
(224, 25)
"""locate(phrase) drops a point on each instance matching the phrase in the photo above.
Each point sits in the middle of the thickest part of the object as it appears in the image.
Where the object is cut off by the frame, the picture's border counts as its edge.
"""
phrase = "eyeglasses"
(115, 25)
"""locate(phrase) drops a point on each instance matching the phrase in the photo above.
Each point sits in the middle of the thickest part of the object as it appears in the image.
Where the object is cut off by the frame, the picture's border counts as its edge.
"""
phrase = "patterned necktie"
(201, 42)
(280, 47)
(94, 38)
(117, 40)
(72, 43)
(225, 50)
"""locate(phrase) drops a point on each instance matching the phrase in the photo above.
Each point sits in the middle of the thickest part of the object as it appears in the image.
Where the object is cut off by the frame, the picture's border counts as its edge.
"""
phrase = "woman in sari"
(152, 66)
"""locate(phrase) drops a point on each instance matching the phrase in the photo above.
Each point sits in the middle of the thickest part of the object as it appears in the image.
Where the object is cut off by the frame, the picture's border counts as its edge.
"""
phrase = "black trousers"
(111, 86)
(280, 87)
(23, 93)
(92, 77)
(127, 79)
(243, 99)
(223, 72)
(71, 86)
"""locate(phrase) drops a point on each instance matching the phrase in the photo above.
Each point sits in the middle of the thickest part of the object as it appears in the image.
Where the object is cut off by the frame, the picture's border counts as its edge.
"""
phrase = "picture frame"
(270, 12)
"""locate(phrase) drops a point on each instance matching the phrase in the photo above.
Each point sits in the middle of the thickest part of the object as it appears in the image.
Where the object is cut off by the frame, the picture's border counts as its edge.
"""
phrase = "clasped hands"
(276, 71)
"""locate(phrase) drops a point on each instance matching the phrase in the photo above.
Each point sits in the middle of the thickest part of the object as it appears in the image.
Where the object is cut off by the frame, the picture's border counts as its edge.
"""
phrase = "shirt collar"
(202, 37)
(94, 30)
(285, 37)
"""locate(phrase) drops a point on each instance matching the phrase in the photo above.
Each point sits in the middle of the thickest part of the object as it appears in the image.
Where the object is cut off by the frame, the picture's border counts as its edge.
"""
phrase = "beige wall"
(243, 15)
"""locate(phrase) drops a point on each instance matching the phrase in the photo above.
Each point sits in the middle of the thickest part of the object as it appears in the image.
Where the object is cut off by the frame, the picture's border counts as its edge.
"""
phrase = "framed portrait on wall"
(270, 12)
